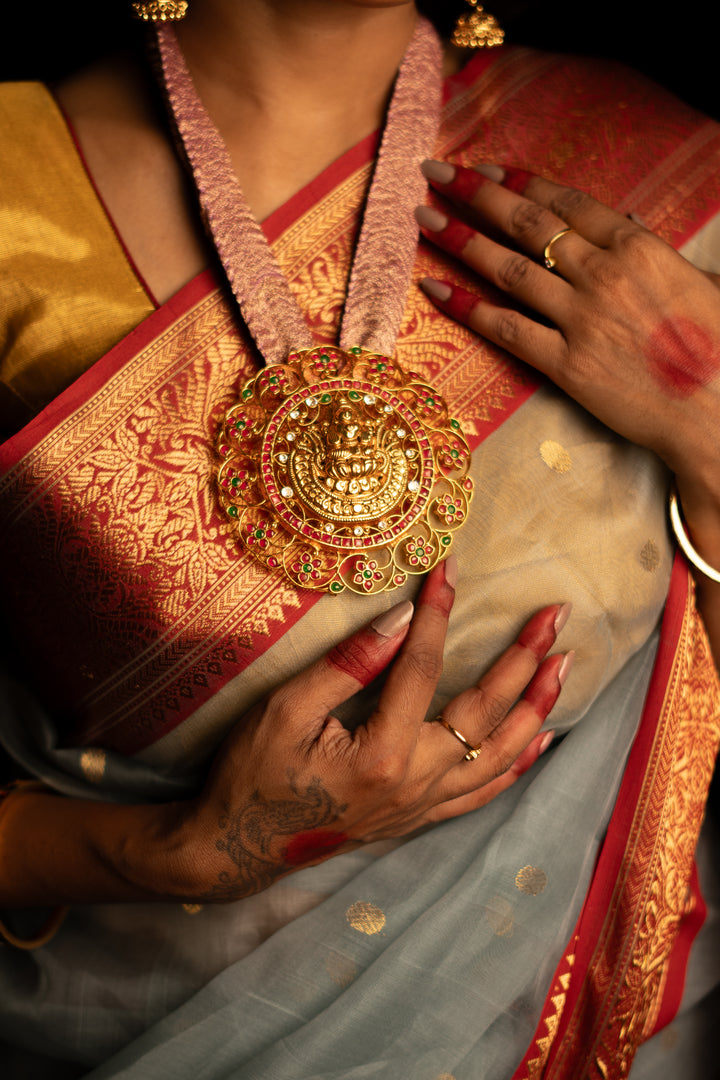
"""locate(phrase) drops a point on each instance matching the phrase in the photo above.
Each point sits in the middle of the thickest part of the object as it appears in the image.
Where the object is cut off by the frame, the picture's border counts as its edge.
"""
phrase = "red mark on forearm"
(517, 180)
(682, 357)
(544, 688)
(308, 847)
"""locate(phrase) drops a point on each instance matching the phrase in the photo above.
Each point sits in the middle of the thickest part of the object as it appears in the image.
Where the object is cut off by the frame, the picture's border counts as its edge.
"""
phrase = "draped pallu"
(548, 929)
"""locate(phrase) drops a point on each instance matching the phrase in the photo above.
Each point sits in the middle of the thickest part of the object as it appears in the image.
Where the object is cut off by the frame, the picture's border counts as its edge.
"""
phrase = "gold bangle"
(684, 541)
(46, 932)
(56, 917)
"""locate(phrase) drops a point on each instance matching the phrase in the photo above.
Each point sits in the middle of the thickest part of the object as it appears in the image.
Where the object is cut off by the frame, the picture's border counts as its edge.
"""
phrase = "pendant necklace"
(337, 468)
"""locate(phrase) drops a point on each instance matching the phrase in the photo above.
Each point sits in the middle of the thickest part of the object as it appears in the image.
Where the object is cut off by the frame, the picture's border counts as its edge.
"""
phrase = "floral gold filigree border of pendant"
(341, 470)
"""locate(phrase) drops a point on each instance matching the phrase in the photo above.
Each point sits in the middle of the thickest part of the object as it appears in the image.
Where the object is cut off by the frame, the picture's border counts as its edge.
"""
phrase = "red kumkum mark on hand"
(544, 688)
(517, 180)
(436, 592)
(465, 184)
(460, 303)
(539, 635)
(362, 656)
(681, 357)
(307, 847)
(454, 237)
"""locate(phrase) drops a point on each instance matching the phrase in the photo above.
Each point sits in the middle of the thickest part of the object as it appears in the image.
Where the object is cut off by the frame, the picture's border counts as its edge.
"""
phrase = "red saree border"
(621, 977)
(691, 924)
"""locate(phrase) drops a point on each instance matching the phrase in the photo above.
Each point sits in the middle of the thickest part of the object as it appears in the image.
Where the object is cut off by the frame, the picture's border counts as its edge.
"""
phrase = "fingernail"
(549, 736)
(441, 172)
(430, 219)
(393, 621)
(562, 617)
(636, 218)
(437, 289)
(451, 570)
(566, 666)
(493, 172)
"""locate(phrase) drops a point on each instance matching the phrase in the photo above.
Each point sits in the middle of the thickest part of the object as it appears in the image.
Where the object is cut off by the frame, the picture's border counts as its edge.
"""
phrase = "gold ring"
(549, 261)
(472, 751)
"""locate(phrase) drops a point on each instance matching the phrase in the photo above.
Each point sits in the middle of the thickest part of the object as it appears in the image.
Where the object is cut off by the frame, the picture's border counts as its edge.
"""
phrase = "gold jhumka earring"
(477, 29)
(160, 10)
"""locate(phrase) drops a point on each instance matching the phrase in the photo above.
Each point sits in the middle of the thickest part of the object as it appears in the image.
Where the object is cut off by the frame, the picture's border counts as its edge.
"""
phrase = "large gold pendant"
(340, 470)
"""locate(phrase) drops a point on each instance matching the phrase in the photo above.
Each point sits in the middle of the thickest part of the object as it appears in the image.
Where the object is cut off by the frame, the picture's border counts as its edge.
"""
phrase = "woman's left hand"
(621, 322)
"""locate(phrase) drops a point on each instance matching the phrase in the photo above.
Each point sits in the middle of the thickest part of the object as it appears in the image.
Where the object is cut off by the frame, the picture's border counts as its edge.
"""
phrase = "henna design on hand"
(257, 837)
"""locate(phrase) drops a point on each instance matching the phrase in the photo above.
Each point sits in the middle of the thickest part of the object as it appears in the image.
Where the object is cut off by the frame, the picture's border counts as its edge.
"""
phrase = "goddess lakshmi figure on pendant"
(355, 479)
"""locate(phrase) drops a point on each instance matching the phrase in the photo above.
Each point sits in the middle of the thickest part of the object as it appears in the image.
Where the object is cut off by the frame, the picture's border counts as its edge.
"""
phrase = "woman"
(171, 637)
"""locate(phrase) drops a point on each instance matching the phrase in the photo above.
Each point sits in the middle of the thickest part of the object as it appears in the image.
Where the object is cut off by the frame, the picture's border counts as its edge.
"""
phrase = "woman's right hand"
(291, 786)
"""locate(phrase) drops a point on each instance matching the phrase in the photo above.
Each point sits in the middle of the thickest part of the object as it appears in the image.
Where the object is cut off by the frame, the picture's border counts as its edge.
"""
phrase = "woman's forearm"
(56, 850)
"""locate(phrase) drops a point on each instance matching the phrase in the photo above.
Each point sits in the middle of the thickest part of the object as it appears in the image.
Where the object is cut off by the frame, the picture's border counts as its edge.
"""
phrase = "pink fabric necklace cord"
(385, 253)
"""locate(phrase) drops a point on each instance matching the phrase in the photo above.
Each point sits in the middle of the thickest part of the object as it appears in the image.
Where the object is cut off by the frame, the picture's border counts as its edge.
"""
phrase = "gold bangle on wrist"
(55, 919)
(683, 540)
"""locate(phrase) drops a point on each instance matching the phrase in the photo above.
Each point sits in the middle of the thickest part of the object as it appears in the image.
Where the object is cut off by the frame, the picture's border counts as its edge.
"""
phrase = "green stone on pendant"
(336, 587)
(445, 541)
(232, 511)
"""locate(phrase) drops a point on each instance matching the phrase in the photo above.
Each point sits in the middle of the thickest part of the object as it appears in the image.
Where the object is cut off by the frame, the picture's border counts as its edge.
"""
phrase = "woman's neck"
(295, 64)
(290, 84)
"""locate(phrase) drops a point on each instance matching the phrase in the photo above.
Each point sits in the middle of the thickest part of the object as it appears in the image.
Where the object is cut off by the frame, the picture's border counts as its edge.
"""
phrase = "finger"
(413, 678)
(513, 272)
(504, 753)
(597, 223)
(508, 739)
(481, 796)
(478, 711)
(541, 346)
(526, 222)
(348, 666)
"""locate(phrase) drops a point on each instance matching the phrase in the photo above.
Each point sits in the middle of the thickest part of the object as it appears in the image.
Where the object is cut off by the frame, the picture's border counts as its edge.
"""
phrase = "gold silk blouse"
(68, 292)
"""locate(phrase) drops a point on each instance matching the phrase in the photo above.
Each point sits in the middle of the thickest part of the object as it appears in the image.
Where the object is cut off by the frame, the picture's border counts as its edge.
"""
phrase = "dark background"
(49, 39)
